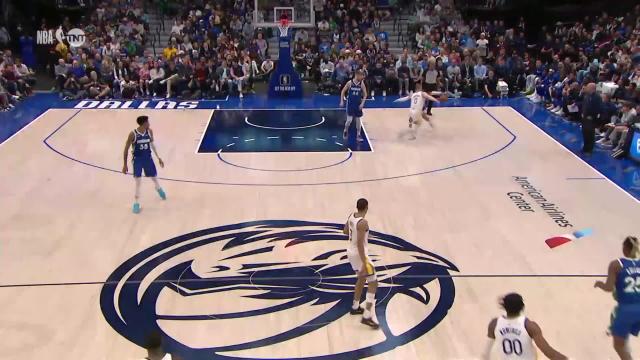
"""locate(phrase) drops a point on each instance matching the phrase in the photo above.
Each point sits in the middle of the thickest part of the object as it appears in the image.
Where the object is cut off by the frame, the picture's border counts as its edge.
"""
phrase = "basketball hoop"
(284, 27)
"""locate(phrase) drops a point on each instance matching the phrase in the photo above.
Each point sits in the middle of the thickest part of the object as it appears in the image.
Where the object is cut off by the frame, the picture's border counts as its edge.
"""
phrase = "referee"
(430, 82)
(591, 107)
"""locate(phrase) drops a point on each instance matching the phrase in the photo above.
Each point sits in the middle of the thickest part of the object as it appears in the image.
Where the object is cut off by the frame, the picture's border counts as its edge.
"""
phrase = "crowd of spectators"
(212, 50)
(111, 58)
(16, 80)
(589, 72)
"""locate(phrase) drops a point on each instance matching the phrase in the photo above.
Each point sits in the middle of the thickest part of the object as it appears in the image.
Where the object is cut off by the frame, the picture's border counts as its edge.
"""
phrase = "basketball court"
(246, 258)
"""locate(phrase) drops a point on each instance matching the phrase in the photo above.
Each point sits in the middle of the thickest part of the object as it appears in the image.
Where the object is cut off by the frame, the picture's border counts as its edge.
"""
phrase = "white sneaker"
(560, 113)
(373, 93)
(384, 92)
(241, 96)
(554, 109)
(537, 99)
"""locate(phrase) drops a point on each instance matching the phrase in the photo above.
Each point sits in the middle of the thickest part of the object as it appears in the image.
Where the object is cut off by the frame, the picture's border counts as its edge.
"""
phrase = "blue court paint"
(348, 156)
(13, 121)
(279, 131)
(430, 171)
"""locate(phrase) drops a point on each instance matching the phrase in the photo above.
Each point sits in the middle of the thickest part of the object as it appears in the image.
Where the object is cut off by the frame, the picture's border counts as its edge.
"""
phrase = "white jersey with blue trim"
(513, 340)
(353, 235)
(417, 101)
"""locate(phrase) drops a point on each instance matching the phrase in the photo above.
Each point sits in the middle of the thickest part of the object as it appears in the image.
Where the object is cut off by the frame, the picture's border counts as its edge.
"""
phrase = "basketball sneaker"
(357, 311)
(370, 322)
(136, 208)
(162, 194)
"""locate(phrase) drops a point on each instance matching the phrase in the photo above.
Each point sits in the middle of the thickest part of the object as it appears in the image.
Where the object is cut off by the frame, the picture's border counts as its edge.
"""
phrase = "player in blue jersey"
(356, 93)
(624, 281)
(141, 141)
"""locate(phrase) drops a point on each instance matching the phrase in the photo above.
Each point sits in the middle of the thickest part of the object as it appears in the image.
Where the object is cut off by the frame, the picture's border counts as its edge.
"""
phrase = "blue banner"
(634, 149)
(285, 81)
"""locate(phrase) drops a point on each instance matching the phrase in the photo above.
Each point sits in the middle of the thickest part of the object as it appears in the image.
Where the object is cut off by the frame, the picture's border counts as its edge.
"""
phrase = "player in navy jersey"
(624, 281)
(356, 93)
(141, 139)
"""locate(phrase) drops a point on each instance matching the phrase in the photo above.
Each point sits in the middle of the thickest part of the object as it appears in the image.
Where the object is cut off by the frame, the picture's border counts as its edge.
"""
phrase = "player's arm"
(609, 286)
(345, 229)
(125, 155)
(402, 99)
(364, 95)
(429, 97)
(486, 355)
(343, 93)
(153, 148)
(363, 226)
(536, 334)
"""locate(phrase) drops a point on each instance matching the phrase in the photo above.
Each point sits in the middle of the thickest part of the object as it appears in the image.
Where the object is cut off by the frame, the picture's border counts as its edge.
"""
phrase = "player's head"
(631, 247)
(143, 121)
(362, 205)
(513, 304)
(359, 74)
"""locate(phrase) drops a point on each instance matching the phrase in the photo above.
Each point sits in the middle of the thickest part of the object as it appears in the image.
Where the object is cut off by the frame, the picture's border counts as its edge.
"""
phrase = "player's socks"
(136, 208)
(369, 317)
(369, 304)
(162, 194)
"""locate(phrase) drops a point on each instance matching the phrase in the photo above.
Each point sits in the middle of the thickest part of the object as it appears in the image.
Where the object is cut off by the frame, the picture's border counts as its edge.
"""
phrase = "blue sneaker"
(162, 194)
(136, 208)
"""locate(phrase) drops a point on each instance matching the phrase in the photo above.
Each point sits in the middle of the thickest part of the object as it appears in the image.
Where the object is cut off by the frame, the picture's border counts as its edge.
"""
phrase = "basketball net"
(284, 27)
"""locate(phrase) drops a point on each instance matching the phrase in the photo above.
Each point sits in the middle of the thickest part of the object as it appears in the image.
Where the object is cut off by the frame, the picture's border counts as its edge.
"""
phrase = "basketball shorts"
(356, 112)
(416, 116)
(356, 265)
(625, 320)
(144, 164)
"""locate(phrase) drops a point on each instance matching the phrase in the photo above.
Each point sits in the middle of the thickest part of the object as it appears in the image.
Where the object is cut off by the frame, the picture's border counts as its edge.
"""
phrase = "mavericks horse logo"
(249, 290)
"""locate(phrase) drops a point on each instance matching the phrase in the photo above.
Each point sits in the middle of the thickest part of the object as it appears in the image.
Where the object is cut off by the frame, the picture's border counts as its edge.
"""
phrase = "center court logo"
(225, 292)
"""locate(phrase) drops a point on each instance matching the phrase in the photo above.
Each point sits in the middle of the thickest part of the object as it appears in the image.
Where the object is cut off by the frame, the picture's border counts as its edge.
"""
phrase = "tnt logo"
(75, 37)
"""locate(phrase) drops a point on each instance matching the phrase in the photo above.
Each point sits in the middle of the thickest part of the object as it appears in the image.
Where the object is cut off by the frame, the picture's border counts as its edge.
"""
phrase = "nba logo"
(285, 80)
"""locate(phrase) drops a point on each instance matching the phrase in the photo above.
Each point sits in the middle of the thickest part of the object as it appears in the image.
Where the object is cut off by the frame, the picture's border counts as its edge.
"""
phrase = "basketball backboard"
(267, 13)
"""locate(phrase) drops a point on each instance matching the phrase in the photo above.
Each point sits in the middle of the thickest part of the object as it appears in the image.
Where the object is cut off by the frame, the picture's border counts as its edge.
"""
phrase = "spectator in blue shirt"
(480, 74)
(78, 71)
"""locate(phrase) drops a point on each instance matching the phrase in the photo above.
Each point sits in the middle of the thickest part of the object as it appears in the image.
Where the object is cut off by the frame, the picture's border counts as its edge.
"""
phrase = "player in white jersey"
(357, 228)
(514, 334)
(416, 111)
